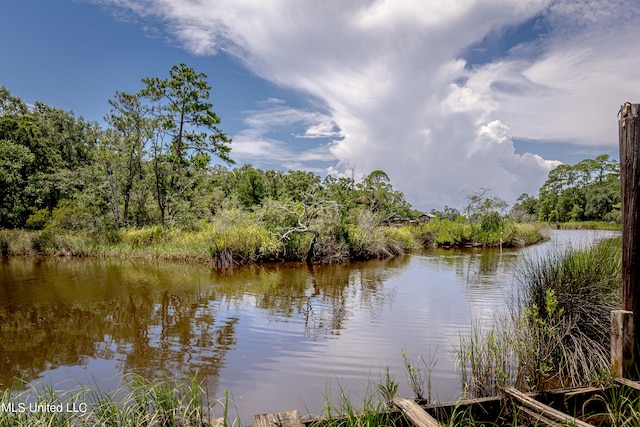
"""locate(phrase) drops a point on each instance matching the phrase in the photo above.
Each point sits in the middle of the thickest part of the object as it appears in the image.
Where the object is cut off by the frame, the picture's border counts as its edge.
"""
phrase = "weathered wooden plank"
(543, 409)
(483, 408)
(529, 417)
(418, 416)
(265, 420)
(290, 419)
(631, 384)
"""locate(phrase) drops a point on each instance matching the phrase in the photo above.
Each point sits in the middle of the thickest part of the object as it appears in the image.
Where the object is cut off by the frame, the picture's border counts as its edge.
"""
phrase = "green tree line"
(152, 164)
(586, 191)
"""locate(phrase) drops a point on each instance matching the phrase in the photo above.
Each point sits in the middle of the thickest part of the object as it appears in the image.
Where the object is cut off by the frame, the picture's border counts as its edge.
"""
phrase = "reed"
(461, 233)
(556, 331)
(622, 405)
(387, 386)
(419, 372)
(137, 402)
(589, 225)
(567, 299)
(487, 359)
(343, 413)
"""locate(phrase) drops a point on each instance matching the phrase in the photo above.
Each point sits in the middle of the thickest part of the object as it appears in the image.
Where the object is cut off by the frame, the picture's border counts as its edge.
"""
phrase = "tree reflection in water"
(165, 318)
(267, 332)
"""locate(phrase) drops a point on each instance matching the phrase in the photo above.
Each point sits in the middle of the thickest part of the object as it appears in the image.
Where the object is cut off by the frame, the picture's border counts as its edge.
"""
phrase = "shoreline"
(224, 247)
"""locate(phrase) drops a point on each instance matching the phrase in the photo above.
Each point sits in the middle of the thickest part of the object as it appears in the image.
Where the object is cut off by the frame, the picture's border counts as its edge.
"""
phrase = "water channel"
(278, 336)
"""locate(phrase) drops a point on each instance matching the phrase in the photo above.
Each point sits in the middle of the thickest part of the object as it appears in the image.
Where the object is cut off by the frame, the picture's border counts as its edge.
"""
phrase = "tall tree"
(187, 119)
(15, 162)
(121, 155)
(481, 204)
(377, 193)
(249, 185)
(10, 104)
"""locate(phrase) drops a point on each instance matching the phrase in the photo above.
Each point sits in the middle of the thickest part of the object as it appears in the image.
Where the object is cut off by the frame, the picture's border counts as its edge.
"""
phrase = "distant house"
(426, 217)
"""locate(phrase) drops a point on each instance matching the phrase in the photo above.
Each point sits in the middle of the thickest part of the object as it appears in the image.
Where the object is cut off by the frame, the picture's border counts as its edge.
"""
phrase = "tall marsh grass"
(369, 412)
(461, 233)
(137, 402)
(567, 299)
(556, 331)
(589, 225)
(237, 237)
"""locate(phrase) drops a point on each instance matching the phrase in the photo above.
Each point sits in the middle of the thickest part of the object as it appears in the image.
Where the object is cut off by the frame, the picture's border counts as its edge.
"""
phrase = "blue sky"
(446, 97)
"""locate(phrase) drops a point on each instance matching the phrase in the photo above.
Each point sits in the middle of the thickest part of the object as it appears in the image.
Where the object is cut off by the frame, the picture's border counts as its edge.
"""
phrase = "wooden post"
(629, 135)
(622, 334)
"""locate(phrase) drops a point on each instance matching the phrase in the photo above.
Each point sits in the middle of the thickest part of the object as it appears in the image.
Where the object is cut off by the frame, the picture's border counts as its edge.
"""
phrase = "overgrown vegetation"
(622, 405)
(556, 333)
(489, 233)
(164, 402)
(238, 237)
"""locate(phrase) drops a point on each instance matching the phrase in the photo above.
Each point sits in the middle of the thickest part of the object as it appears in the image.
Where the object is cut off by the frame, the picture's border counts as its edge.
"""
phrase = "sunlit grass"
(236, 238)
(589, 225)
(366, 410)
(137, 402)
(461, 233)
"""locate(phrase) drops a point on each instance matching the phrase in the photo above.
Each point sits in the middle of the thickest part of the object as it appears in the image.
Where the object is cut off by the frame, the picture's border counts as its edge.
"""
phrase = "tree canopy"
(586, 191)
(152, 164)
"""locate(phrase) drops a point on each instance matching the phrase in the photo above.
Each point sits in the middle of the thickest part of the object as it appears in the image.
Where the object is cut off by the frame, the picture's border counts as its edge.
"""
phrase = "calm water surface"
(279, 337)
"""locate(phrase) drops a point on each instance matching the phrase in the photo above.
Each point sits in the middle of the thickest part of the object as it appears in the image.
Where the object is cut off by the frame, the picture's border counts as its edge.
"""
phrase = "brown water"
(279, 337)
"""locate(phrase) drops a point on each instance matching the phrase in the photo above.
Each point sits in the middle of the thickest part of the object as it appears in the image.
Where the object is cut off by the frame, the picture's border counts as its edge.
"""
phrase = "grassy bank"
(486, 234)
(588, 225)
(164, 403)
(137, 402)
(237, 239)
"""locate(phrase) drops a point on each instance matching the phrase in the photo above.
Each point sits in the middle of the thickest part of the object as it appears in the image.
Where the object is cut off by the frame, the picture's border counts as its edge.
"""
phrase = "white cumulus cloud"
(256, 144)
(399, 94)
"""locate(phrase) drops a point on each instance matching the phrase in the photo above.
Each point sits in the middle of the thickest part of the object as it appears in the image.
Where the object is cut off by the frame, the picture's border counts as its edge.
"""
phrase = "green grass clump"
(567, 299)
(401, 237)
(622, 405)
(451, 233)
(44, 242)
(523, 234)
(486, 234)
(556, 332)
(137, 402)
(343, 413)
(589, 225)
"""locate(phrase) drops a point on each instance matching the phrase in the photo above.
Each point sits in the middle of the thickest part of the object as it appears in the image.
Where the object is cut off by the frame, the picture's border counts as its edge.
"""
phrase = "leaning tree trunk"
(314, 240)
